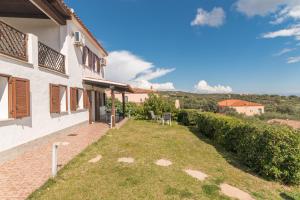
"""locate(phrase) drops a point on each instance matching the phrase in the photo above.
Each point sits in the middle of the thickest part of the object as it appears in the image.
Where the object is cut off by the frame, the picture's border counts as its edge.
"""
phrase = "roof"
(121, 87)
(65, 13)
(142, 91)
(237, 103)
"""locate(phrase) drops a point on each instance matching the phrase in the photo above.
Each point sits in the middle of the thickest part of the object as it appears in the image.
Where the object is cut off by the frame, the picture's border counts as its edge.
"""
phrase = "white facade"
(14, 132)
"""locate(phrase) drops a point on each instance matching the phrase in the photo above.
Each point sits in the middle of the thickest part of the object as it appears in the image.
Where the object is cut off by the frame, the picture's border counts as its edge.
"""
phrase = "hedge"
(271, 151)
(188, 117)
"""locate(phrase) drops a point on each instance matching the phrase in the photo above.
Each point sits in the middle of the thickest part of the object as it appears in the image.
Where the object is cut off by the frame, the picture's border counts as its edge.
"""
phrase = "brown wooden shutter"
(21, 99)
(54, 98)
(98, 65)
(86, 102)
(84, 55)
(73, 99)
(90, 57)
(67, 99)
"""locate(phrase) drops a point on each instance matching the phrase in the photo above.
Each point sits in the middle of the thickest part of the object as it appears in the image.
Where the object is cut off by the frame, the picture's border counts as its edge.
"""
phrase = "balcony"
(13, 42)
(51, 59)
(25, 47)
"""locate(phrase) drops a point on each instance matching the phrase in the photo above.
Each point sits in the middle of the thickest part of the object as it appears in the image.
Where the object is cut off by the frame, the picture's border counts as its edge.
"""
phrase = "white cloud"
(157, 86)
(215, 18)
(280, 10)
(292, 60)
(152, 74)
(204, 87)
(258, 7)
(123, 66)
(284, 51)
(288, 32)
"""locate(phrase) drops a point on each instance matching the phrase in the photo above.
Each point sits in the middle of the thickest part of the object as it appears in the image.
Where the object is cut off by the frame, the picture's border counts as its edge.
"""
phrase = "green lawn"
(147, 142)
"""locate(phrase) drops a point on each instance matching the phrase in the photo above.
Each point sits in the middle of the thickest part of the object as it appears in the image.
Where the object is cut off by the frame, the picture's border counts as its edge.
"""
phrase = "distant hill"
(280, 106)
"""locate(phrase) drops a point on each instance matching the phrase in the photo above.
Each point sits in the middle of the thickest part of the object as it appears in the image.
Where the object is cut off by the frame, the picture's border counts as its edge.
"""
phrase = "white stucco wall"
(250, 110)
(134, 97)
(14, 132)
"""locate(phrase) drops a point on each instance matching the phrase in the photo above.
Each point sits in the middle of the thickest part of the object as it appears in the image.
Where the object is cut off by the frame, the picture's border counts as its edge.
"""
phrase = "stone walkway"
(29, 167)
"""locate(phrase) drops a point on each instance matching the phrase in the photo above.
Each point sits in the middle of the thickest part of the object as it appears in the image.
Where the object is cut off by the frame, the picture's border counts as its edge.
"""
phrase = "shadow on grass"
(286, 196)
(230, 157)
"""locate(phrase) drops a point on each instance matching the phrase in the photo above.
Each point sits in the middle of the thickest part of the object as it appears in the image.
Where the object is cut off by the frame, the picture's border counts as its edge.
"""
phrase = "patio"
(25, 168)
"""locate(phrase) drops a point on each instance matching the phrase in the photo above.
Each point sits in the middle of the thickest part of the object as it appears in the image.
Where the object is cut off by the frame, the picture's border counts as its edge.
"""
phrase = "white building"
(52, 71)
(138, 95)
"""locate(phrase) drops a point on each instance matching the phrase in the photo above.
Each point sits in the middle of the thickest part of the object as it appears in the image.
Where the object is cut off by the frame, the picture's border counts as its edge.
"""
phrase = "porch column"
(124, 104)
(113, 110)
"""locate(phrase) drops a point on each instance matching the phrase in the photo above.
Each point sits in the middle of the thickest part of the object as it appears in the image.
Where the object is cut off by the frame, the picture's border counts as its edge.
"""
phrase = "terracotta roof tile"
(237, 103)
(142, 91)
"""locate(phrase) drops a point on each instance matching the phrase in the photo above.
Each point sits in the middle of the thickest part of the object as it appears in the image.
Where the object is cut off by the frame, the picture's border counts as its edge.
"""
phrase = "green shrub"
(159, 106)
(187, 117)
(271, 151)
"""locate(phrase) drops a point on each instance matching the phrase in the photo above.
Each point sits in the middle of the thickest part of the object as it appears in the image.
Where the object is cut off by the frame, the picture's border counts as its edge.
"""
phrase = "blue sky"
(206, 46)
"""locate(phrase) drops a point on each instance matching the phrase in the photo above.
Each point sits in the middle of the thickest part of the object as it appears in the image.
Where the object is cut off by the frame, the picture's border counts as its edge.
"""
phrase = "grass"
(147, 142)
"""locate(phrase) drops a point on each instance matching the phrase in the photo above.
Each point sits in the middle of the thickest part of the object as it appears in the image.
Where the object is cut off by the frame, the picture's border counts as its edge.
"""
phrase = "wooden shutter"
(20, 106)
(98, 65)
(90, 57)
(73, 99)
(84, 55)
(86, 102)
(54, 98)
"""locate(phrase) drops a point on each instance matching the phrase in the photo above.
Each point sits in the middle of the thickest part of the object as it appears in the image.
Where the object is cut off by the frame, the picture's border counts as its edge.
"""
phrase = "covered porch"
(98, 102)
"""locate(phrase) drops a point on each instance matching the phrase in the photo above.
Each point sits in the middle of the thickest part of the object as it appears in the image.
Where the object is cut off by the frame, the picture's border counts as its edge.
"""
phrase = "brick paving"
(27, 171)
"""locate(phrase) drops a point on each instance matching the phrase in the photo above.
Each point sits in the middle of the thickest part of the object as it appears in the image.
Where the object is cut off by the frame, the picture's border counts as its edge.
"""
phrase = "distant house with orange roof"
(242, 107)
(138, 96)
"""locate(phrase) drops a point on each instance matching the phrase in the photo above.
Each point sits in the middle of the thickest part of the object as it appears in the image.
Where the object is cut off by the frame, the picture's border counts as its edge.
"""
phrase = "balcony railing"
(13, 42)
(51, 59)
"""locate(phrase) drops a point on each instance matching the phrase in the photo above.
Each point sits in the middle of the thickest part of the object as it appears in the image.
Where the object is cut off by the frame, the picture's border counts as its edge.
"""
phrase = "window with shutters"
(58, 99)
(4, 111)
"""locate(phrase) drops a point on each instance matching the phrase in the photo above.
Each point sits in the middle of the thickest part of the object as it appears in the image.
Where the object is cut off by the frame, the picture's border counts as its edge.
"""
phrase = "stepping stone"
(234, 192)
(163, 163)
(96, 159)
(196, 174)
(126, 160)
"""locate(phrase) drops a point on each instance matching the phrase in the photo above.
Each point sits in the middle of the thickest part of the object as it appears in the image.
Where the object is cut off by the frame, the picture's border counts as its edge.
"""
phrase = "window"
(79, 99)
(14, 97)
(4, 114)
(58, 98)
(90, 59)
(126, 99)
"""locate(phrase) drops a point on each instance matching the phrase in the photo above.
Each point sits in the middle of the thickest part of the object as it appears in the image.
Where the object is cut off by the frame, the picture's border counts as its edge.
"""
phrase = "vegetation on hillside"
(283, 107)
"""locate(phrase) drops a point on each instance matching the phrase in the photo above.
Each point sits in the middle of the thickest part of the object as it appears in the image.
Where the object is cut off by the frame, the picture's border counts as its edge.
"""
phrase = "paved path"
(29, 168)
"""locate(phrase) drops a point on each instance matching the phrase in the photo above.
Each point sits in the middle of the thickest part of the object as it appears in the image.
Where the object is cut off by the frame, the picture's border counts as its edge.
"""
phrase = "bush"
(159, 106)
(187, 117)
(271, 151)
